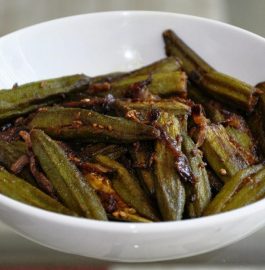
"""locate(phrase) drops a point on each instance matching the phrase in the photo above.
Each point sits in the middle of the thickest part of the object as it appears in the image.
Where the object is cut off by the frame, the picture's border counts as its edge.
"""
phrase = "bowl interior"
(120, 41)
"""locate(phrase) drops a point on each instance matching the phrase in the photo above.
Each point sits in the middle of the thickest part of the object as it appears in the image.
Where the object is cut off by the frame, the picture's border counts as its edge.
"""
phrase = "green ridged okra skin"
(90, 126)
(230, 90)
(236, 126)
(220, 86)
(161, 84)
(31, 96)
(229, 189)
(169, 190)
(68, 182)
(200, 191)
(250, 192)
(18, 189)
(141, 155)
(222, 155)
(129, 188)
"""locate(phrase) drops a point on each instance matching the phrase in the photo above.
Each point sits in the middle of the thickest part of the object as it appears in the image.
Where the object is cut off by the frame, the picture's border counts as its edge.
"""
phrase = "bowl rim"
(117, 226)
(127, 227)
(131, 13)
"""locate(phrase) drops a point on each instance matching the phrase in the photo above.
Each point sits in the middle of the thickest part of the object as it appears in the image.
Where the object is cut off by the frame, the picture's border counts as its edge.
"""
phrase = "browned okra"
(18, 189)
(142, 155)
(162, 84)
(170, 192)
(129, 188)
(144, 107)
(68, 182)
(250, 192)
(236, 126)
(222, 155)
(200, 190)
(10, 152)
(114, 205)
(168, 125)
(90, 126)
(231, 188)
(28, 97)
(229, 90)
(256, 120)
(220, 86)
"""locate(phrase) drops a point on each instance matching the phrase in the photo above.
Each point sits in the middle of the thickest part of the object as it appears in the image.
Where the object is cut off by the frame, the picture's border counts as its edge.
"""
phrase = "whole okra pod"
(28, 97)
(250, 192)
(236, 126)
(200, 190)
(141, 154)
(90, 126)
(114, 205)
(169, 190)
(18, 189)
(222, 155)
(230, 188)
(129, 189)
(162, 84)
(218, 85)
(229, 90)
(68, 182)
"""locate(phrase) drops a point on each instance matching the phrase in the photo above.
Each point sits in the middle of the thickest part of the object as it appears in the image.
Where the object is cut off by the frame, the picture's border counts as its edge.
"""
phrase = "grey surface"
(248, 253)
(247, 14)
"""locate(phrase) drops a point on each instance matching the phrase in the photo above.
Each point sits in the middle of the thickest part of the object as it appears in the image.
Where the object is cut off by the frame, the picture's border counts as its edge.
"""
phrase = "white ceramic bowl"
(117, 41)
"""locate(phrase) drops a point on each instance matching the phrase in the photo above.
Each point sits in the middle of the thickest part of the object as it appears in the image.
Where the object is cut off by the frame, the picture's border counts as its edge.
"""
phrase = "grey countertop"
(246, 254)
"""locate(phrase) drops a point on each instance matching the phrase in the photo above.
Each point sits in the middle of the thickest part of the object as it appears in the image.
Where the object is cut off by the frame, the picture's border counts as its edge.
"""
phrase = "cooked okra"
(220, 86)
(172, 140)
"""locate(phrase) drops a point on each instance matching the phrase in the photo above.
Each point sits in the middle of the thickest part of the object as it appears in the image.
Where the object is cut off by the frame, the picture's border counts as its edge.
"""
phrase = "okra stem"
(192, 62)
